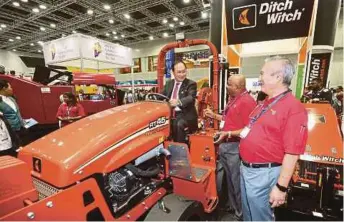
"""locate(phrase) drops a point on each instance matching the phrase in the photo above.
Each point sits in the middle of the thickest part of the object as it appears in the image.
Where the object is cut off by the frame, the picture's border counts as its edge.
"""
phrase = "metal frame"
(27, 26)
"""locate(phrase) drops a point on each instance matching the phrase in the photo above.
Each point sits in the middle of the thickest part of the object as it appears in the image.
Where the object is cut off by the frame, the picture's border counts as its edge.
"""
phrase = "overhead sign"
(263, 20)
(104, 51)
(78, 46)
(318, 67)
(61, 50)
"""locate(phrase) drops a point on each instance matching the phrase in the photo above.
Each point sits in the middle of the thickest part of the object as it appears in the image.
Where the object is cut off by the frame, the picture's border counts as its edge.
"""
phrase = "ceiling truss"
(146, 19)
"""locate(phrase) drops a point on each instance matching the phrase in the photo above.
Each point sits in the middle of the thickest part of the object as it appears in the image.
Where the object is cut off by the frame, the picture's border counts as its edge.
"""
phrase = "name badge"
(244, 132)
(222, 124)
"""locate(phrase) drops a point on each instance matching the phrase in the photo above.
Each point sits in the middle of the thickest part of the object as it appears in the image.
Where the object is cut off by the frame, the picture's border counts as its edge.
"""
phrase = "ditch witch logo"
(319, 66)
(277, 12)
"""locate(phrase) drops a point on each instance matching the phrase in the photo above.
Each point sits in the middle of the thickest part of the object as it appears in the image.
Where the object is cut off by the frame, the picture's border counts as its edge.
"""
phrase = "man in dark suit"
(182, 93)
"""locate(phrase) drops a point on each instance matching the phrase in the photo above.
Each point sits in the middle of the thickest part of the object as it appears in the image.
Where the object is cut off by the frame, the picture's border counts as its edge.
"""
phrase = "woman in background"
(70, 111)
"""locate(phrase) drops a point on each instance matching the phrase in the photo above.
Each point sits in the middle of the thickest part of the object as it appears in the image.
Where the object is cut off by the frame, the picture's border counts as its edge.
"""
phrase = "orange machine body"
(325, 144)
(97, 144)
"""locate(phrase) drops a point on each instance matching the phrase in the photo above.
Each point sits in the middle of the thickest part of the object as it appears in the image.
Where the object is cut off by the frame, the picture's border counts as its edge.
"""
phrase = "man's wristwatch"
(281, 188)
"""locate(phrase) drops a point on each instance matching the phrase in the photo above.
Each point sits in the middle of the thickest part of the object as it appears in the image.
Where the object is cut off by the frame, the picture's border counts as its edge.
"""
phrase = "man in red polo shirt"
(235, 117)
(272, 142)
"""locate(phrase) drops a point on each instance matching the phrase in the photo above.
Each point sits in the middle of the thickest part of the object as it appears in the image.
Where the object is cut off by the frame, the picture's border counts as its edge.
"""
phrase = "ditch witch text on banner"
(318, 67)
(263, 20)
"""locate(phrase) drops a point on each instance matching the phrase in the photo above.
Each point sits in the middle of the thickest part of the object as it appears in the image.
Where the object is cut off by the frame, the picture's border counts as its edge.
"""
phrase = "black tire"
(178, 209)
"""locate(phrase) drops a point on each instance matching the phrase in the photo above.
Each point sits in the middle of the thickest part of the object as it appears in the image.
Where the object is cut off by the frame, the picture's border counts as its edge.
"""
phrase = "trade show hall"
(171, 110)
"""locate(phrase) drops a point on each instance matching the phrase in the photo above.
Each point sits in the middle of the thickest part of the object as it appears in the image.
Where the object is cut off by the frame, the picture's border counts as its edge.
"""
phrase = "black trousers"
(181, 127)
(23, 136)
(9, 152)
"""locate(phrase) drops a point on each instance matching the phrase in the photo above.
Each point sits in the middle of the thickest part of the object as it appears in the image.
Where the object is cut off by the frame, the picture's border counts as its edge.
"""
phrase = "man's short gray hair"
(288, 69)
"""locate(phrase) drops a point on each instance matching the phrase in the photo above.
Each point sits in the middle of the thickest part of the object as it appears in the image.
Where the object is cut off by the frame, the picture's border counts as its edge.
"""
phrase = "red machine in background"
(40, 98)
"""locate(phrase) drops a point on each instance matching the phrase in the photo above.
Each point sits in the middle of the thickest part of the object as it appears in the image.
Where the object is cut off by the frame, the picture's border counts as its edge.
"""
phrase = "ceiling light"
(40, 42)
(11, 40)
(171, 25)
(114, 32)
(42, 7)
(181, 23)
(115, 37)
(137, 50)
(204, 15)
(24, 0)
(14, 50)
(74, 32)
(52, 25)
(3, 26)
(32, 44)
(18, 37)
(186, 1)
(16, 4)
(165, 34)
(90, 12)
(122, 36)
(42, 28)
(164, 21)
(35, 10)
(107, 34)
(175, 19)
(107, 7)
(39, 51)
(151, 37)
(111, 21)
(127, 16)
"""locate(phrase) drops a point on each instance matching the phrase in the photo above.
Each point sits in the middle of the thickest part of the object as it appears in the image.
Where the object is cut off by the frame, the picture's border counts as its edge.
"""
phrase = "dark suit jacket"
(187, 96)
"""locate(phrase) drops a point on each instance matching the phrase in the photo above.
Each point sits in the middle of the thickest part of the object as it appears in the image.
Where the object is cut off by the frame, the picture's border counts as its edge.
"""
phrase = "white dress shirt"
(5, 138)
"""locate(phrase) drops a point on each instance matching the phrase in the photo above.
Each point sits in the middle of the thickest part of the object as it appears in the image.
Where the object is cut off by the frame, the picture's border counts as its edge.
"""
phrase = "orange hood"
(325, 143)
(92, 144)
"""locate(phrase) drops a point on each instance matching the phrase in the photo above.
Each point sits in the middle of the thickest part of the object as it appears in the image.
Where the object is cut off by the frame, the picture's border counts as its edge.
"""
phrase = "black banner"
(263, 20)
(318, 67)
(232, 71)
(326, 22)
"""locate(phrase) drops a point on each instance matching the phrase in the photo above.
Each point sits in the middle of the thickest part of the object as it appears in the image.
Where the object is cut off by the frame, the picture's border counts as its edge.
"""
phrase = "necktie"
(175, 91)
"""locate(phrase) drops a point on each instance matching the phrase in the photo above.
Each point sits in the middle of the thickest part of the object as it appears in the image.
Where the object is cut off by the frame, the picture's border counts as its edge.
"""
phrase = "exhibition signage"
(318, 67)
(263, 20)
(137, 83)
(104, 51)
(61, 50)
(169, 62)
(80, 46)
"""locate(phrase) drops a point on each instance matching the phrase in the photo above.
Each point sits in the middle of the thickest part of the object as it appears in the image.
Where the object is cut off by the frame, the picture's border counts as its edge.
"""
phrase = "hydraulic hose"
(143, 173)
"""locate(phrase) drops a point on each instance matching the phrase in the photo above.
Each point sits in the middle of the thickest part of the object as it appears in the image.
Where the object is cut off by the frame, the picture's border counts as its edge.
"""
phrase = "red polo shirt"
(237, 111)
(282, 129)
(74, 111)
